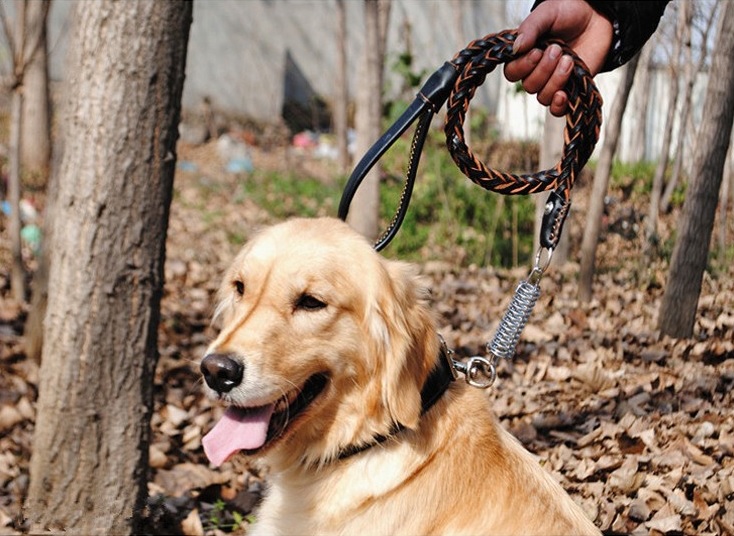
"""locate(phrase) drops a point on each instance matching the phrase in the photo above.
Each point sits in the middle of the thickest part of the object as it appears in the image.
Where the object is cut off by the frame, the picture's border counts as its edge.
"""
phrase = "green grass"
(449, 217)
(288, 195)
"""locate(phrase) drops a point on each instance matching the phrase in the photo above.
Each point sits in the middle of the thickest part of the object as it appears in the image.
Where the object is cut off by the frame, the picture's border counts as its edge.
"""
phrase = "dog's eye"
(239, 287)
(309, 303)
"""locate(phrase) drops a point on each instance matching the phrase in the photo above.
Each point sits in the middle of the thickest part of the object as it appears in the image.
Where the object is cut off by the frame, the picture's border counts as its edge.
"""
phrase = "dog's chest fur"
(450, 476)
(346, 499)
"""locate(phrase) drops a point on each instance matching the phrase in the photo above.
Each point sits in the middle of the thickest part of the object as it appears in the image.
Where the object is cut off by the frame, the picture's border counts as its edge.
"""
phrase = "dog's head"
(325, 345)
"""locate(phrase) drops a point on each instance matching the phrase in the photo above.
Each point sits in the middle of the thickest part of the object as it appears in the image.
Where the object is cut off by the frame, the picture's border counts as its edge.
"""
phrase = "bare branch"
(8, 33)
(36, 31)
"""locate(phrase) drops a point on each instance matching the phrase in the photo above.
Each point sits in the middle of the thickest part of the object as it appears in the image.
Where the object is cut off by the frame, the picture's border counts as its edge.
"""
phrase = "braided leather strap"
(583, 120)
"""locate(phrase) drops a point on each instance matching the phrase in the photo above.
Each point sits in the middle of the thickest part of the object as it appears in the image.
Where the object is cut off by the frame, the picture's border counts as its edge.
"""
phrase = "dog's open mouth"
(249, 429)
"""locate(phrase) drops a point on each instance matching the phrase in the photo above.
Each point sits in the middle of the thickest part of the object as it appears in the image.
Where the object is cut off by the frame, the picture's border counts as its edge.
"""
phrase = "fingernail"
(554, 51)
(517, 45)
(559, 100)
(535, 55)
(565, 64)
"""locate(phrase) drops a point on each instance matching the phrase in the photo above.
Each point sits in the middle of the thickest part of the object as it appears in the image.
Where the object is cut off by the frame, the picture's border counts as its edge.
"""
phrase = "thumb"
(536, 24)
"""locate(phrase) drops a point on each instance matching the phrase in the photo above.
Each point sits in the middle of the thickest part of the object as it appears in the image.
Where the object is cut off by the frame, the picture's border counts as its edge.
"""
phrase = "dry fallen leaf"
(616, 412)
(191, 525)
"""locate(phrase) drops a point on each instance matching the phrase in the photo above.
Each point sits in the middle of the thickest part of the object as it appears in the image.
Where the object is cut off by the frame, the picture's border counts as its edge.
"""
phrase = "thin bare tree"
(23, 41)
(674, 69)
(640, 101)
(691, 70)
(36, 112)
(601, 182)
(690, 254)
(551, 150)
(365, 208)
(341, 88)
(727, 191)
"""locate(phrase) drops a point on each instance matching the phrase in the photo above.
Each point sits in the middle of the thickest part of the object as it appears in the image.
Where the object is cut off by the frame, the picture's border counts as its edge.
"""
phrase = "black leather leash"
(457, 81)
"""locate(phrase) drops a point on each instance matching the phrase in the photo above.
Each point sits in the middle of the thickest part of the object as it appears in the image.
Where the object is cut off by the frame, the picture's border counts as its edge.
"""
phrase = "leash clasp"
(478, 371)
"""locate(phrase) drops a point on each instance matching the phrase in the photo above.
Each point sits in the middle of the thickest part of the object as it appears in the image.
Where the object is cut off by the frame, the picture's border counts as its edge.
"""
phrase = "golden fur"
(453, 470)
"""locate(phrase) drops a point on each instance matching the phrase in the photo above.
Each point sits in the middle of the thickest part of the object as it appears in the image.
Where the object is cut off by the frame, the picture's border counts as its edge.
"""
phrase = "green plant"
(633, 177)
(287, 195)
(451, 215)
(226, 520)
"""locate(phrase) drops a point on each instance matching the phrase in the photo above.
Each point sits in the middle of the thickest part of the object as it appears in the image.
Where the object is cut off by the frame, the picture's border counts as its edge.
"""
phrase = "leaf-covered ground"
(637, 427)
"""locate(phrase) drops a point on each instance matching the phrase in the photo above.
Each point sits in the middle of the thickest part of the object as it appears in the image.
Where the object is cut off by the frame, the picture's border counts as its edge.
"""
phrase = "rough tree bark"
(89, 466)
(364, 212)
(601, 183)
(690, 254)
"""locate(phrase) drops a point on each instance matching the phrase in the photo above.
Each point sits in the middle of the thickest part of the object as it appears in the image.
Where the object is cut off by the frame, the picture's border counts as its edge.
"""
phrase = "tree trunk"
(36, 160)
(601, 182)
(36, 134)
(724, 205)
(691, 72)
(690, 254)
(686, 14)
(341, 88)
(638, 136)
(658, 180)
(364, 212)
(458, 9)
(17, 271)
(551, 150)
(89, 466)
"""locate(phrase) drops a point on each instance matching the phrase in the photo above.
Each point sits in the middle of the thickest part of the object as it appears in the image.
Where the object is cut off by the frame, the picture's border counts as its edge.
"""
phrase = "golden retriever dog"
(332, 371)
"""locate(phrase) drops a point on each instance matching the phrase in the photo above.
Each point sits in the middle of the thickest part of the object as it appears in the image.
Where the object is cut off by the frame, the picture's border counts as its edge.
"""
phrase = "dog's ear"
(406, 329)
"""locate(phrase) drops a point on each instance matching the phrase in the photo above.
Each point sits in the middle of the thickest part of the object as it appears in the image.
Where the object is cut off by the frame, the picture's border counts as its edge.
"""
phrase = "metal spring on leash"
(508, 333)
(518, 313)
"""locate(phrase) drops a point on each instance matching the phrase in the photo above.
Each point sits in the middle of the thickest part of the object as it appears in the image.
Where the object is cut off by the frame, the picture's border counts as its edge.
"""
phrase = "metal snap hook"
(480, 372)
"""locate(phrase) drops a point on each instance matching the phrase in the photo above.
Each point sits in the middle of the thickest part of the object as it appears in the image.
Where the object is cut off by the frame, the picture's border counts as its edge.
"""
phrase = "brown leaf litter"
(636, 426)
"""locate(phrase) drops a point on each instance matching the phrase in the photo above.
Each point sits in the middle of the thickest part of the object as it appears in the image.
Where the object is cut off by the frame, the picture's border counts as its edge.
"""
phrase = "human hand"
(576, 23)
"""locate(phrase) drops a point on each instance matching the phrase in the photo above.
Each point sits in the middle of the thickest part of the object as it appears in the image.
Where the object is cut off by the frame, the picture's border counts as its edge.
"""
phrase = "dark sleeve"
(633, 22)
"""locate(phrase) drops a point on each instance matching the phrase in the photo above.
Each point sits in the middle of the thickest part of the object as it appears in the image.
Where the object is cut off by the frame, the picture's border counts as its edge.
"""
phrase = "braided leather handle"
(583, 119)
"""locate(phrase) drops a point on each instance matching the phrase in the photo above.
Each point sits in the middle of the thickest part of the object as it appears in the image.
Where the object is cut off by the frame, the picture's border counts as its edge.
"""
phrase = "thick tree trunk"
(36, 134)
(601, 183)
(690, 254)
(89, 465)
(364, 212)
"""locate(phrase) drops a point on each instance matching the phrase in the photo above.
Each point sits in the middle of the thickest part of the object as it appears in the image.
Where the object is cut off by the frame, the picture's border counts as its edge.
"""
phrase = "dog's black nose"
(221, 372)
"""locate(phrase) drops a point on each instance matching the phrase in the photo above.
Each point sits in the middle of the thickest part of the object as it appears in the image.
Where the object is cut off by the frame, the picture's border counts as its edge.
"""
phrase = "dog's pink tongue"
(237, 430)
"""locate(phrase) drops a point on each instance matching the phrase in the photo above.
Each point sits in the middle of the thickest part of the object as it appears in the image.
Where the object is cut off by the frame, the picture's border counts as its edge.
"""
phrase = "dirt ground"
(636, 426)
